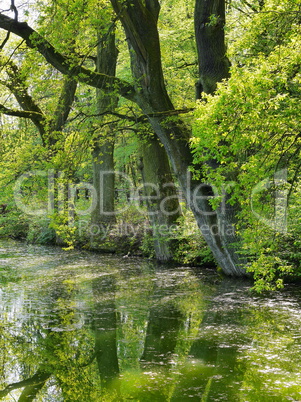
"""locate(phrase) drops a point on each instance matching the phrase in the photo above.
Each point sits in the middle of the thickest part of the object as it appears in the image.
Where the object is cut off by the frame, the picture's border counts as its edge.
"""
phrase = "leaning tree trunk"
(161, 197)
(140, 24)
(214, 66)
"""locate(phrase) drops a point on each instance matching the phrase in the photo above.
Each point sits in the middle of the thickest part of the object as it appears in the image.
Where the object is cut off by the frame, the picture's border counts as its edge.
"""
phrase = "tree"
(158, 181)
(48, 126)
(251, 129)
(161, 196)
(210, 38)
(103, 145)
(149, 92)
(153, 98)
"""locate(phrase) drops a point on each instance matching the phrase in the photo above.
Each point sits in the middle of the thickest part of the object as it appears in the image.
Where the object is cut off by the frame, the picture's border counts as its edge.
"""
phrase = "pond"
(78, 326)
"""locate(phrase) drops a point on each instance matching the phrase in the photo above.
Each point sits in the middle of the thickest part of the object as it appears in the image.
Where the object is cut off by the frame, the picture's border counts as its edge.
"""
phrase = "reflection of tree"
(162, 334)
(212, 370)
(159, 331)
(73, 359)
(135, 289)
(176, 308)
(272, 360)
(55, 353)
(171, 361)
(104, 327)
(31, 386)
(156, 329)
(245, 350)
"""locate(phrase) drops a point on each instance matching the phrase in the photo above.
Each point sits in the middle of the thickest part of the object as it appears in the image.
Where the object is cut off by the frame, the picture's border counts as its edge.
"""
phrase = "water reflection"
(104, 325)
(83, 327)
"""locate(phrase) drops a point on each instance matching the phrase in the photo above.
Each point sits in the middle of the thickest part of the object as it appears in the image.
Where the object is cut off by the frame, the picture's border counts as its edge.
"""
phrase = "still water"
(81, 327)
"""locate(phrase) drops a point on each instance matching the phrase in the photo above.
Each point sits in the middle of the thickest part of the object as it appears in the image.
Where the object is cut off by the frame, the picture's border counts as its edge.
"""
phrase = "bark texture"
(209, 21)
(103, 151)
(161, 195)
(140, 25)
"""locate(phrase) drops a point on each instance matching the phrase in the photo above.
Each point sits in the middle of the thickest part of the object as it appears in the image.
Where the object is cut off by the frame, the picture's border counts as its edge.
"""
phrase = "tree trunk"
(63, 109)
(103, 152)
(214, 66)
(30, 392)
(140, 24)
(104, 183)
(209, 22)
(161, 197)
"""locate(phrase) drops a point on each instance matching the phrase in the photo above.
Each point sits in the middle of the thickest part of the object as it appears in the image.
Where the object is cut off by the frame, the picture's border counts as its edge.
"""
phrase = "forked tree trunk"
(156, 169)
(140, 24)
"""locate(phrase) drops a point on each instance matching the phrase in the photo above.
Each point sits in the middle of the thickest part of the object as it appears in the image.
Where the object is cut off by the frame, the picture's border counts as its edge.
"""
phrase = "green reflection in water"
(84, 327)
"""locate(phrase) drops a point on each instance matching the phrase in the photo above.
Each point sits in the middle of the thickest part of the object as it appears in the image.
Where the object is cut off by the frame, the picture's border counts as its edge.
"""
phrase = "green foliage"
(40, 231)
(14, 224)
(147, 245)
(65, 229)
(191, 247)
(259, 33)
(251, 128)
(179, 50)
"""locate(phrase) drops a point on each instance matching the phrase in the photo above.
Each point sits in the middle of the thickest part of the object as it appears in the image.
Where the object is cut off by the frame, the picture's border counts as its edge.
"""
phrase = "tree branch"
(5, 40)
(38, 378)
(62, 63)
(17, 85)
(21, 113)
(184, 65)
(144, 117)
(254, 9)
(64, 105)
(14, 9)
